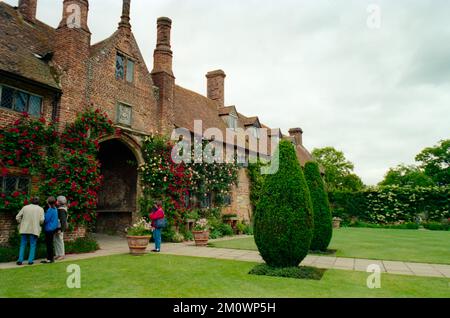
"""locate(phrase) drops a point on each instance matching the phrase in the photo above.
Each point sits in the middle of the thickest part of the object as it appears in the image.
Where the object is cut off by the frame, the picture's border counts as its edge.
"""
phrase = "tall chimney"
(71, 55)
(163, 77)
(163, 54)
(125, 18)
(216, 87)
(28, 9)
(297, 133)
(75, 15)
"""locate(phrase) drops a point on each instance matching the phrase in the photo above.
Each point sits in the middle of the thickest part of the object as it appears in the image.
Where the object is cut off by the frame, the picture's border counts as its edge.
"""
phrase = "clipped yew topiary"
(283, 222)
(323, 226)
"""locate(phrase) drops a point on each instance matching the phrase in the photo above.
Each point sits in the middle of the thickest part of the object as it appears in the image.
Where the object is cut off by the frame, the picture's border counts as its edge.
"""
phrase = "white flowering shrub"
(385, 205)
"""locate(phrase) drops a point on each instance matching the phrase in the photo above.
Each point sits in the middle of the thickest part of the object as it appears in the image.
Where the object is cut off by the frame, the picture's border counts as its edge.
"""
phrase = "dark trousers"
(49, 243)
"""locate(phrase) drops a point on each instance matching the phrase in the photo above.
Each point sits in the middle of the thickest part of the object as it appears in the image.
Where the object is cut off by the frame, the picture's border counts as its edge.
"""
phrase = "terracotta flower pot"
(138, 244)
(201, 237)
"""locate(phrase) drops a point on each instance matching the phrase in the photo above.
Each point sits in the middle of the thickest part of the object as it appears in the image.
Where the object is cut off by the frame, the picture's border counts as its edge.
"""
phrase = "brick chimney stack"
(28, 9)
(162, 75)
(71, 54)
(216, 87)
(297, 133)
(163, 54)
(125, 18)
(75, 15)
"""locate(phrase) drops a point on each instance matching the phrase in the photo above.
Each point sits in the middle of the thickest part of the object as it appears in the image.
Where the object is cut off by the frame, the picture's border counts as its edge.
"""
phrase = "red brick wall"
(105, 91)
(71, 55)
(8, 225)
(240, 198)
(79, 232)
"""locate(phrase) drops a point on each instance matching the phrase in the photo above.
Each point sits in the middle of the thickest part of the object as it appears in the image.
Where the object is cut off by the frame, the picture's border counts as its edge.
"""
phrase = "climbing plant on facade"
(23, 147)
(66, 161)
(174, 183)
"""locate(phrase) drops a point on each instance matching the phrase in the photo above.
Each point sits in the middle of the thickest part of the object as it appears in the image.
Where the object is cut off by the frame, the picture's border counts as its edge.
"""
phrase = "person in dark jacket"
(50, 226)
(58, 239)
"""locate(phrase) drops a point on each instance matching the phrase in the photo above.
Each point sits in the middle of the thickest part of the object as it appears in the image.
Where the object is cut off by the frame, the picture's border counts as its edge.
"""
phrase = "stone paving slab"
(443, 269)
(115, 245)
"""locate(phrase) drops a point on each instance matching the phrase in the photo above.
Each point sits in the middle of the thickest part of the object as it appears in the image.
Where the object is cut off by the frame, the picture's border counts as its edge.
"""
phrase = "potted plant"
(138, 237)
(201, 232)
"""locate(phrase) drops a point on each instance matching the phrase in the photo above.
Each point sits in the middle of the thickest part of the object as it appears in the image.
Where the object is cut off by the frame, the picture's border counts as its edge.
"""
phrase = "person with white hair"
(30, 218)
(61, 203)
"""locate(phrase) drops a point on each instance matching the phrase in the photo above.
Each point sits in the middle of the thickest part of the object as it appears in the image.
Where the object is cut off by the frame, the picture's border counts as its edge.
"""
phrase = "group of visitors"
(32, 218)
(53, 219)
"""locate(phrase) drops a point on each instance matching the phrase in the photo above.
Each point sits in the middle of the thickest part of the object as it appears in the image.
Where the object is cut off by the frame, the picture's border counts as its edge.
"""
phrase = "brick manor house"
(57, 73)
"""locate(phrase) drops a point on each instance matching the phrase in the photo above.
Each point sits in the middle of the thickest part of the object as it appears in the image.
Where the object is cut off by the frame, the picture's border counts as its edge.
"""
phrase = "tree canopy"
(406, 176)
(339, 173)
(435, 162)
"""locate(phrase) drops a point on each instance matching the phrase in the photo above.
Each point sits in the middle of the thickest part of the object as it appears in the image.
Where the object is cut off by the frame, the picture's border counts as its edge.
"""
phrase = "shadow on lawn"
(302, 272)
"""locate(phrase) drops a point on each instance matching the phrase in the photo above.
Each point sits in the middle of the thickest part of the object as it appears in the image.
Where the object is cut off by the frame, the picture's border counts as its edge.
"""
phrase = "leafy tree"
(283, 216)
(352, 182)
(323, 226)
(435, 161)
(338, 170)
(407, 176)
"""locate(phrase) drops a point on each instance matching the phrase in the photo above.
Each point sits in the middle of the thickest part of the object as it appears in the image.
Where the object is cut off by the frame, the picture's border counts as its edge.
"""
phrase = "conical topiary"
(283, 216)
(323, 226)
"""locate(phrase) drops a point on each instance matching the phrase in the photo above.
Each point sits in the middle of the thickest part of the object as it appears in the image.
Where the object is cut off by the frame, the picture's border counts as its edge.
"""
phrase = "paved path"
(115, 245)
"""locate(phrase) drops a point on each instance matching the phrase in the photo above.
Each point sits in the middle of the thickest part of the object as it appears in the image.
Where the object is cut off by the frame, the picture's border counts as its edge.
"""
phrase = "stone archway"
(117, 198)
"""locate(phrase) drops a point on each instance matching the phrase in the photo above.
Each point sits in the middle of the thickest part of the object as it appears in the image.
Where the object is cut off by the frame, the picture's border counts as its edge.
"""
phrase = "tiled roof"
(303, 155)
(21, 46)
(223, 111)
(190, 106)
(250, 121)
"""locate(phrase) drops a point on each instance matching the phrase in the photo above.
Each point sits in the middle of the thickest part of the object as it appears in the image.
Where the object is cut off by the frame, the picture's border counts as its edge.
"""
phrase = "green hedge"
(386, 205)
(323, 227)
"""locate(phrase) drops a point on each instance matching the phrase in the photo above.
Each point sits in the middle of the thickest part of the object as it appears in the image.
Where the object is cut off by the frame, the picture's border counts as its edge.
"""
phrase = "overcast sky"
(379, 94)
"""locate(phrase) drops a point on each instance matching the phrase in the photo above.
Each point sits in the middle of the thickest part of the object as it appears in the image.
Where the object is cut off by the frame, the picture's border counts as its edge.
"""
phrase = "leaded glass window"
(7, 97)
(11, 184)
(20, 101)
(34, 105)
(120, 67)
(130, 71)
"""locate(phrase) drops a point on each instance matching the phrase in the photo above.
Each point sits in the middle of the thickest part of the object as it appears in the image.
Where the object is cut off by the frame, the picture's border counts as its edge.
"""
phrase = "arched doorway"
(118, 194)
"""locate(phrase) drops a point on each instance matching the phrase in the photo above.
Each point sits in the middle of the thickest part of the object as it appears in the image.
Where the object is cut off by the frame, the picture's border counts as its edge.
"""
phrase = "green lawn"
(163, 276)
(386, 244)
